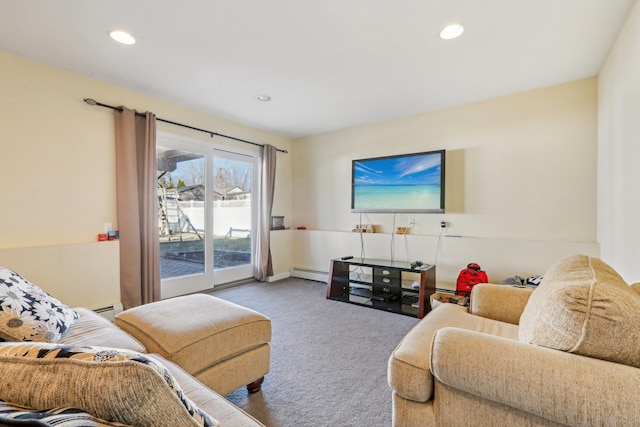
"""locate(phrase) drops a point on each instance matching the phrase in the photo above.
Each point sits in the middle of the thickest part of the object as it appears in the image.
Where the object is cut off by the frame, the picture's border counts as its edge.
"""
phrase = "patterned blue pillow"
(59, 417)
(27, 313)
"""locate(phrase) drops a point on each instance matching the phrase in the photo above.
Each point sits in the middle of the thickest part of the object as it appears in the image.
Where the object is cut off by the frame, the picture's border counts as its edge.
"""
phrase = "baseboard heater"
(305, 273)
(110, 311)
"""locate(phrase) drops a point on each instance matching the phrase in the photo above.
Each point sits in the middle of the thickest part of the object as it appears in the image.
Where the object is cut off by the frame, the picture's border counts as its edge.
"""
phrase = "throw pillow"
(583, 306)
(27, 313)
(111, 384)
(59, 417)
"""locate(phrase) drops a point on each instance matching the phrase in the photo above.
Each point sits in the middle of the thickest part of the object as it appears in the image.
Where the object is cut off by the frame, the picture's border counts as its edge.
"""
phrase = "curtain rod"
(91, 101)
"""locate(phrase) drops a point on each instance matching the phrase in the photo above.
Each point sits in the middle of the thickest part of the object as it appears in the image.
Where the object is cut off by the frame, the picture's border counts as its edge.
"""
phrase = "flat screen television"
(405, 183)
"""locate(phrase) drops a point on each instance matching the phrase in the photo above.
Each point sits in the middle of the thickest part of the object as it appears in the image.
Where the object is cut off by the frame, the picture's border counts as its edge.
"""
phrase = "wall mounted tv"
(405, 183)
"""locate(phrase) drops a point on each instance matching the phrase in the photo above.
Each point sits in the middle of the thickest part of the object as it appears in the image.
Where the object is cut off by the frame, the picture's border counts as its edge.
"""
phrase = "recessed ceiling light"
(451, 31)
(263, 98)
(122, 37)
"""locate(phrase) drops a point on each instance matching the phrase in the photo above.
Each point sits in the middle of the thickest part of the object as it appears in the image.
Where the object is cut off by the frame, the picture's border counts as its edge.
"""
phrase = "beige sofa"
(108, 373)
(567, 353)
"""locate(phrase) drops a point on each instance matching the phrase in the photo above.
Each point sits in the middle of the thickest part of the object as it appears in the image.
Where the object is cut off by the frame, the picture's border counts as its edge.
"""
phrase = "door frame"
(175, 286)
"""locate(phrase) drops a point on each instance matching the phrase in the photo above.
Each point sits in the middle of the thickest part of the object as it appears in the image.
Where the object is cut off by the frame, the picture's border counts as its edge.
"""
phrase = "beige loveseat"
(567, 353)
(97, 367)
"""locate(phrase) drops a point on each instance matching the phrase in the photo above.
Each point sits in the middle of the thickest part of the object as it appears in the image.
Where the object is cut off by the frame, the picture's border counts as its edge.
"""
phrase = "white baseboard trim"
(278, 277)
(305, 273)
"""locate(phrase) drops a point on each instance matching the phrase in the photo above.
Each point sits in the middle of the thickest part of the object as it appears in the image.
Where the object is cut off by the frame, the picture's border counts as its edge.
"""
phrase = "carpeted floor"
(328, 358)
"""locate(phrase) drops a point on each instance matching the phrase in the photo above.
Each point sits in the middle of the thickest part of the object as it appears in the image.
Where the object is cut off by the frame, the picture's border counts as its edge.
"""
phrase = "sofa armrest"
(409, 373)
(499, 302)
(562, 387)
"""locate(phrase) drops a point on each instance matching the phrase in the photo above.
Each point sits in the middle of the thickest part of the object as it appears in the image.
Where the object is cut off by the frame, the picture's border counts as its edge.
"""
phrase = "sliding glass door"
(206, 215)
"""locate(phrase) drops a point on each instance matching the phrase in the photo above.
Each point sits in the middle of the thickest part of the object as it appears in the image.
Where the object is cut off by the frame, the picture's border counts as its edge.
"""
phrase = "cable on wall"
(91, 101)
(406, 244)
(438, 247)
(357, 272)
(361, 239)
(393, 235)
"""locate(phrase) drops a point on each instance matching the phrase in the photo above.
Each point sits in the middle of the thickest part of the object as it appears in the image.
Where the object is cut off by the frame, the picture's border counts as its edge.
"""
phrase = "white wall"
(619, 151)
(521, 174)
(57, 162)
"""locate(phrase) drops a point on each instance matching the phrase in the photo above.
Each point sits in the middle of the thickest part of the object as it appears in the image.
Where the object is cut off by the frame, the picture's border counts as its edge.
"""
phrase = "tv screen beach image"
(410, 182)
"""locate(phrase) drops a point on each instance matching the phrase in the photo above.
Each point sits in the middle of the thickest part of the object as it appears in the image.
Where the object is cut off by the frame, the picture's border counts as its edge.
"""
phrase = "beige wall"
(57, 166)
(79, 274)
(619, 151)
(521, 174)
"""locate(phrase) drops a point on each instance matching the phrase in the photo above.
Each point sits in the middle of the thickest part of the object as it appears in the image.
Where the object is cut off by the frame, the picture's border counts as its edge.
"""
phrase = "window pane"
(231, 212)
(181, 219)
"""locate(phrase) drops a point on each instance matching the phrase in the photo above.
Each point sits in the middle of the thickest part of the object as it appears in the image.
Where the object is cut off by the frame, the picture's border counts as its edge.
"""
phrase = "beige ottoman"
(222, 344)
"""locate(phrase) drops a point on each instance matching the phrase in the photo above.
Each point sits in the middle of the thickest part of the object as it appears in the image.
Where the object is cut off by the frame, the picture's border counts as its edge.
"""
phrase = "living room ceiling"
(326, 65)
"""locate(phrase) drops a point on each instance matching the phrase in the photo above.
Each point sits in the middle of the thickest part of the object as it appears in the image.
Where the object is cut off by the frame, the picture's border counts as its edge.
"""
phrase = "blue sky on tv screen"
(405, 170)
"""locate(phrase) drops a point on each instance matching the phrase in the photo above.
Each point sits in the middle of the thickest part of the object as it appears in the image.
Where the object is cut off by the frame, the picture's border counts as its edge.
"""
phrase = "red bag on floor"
(468, 278)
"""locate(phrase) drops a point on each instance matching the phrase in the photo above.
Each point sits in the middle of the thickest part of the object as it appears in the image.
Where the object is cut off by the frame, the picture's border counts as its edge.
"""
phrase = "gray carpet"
(328, 358)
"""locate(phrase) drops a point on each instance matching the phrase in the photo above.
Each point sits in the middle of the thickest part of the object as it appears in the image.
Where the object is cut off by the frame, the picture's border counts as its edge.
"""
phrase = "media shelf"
(384, 285)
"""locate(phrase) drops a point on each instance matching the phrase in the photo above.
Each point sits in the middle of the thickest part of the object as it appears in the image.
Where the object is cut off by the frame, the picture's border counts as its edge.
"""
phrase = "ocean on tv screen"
(371, 196)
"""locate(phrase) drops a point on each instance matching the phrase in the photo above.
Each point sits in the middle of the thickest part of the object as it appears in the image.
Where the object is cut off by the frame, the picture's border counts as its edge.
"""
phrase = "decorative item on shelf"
(402, 230)
(364, 228)
(277, 223)
(109, 235)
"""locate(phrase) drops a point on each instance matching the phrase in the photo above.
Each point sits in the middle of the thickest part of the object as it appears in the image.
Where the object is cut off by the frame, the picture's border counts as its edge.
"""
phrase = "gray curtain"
(262, 264)
(137, 207)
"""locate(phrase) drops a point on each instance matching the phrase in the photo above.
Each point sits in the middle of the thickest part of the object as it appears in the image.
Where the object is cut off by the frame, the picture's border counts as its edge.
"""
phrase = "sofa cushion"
(27, 313)
(208, 400)
(59, 417)
(112, 384)
(93, 329)
(583, 306)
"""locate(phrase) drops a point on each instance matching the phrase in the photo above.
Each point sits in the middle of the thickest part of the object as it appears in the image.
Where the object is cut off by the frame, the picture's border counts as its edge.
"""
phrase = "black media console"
(396, 286)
